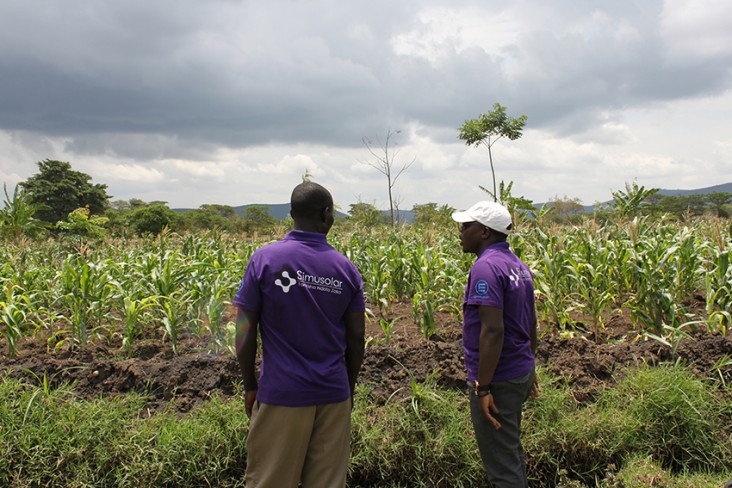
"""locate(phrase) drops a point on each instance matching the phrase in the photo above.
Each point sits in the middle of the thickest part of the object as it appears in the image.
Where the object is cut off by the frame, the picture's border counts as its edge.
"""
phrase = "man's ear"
(324, 214)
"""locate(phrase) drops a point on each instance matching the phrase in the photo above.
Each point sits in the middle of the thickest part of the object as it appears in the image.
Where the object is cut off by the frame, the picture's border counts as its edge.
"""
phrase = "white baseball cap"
(491, 214)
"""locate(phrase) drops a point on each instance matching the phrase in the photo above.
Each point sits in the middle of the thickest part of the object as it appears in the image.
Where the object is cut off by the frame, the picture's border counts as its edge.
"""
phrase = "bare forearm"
(491, 344)
(355, 347)
(354, 360)
(246, 347)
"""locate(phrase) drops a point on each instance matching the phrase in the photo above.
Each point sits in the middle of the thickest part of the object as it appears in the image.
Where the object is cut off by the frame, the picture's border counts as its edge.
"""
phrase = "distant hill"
(723, 188)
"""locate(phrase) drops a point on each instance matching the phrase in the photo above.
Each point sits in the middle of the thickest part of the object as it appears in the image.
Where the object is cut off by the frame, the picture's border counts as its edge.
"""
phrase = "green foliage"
(659, 424)
(684, 206)
(663, 414)
(421, 438)
(307, 177)
(206, 449)
(62, 190)
(565, 208)
(152, 218)
(51, 438)
(421, 267)
(719, 202)
(15, 312)
(365, 215)
(643, 269)
(520, 207)
(106, 290)
(488, 129)
(85, 297)
(212, 217)
(643, 471)
(429, 215)
(673, 417)
(258, 219)
(18, 215)
(630, 202)
(81, 224)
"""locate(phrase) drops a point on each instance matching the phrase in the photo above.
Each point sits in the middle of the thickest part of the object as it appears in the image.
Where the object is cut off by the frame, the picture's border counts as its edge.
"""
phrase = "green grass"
(661, 414)
(659, 425)
(421, 439)
(52, 438)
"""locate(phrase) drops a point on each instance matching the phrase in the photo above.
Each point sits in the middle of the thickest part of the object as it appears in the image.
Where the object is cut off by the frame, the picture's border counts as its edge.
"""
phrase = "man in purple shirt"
(499, 340)
(305, 299)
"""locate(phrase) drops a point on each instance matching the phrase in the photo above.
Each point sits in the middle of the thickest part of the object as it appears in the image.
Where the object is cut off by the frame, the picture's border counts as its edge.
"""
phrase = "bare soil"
(181, 381)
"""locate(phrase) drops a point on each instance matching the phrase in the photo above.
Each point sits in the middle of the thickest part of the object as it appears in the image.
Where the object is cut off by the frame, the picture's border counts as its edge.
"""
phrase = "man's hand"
(249, 398)
(535, 388)
(488, 407)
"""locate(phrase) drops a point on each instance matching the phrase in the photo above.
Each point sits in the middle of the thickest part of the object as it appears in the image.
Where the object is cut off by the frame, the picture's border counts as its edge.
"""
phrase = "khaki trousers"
(291, 445)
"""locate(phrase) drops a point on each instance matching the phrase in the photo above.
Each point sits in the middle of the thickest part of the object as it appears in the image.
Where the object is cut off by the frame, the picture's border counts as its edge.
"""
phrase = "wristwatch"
(482, 390)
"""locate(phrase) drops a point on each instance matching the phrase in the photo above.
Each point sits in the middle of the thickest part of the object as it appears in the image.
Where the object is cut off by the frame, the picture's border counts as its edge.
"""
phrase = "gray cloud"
(140, 80)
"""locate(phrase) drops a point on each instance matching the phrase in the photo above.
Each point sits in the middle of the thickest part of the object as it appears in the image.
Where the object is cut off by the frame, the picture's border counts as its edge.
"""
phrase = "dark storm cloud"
(253, 73)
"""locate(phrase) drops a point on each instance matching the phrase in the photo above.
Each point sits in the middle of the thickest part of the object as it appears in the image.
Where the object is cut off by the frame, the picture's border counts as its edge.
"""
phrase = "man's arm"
(355, 345)
(533, 336)
(491, 344)
(247, 324)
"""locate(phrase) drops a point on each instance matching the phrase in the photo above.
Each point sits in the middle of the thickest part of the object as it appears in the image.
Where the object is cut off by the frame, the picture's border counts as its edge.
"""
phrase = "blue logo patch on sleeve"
(481, 288)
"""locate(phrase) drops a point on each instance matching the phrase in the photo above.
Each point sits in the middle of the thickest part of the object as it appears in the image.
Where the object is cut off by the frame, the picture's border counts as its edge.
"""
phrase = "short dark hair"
(500, 236)
(308, 200)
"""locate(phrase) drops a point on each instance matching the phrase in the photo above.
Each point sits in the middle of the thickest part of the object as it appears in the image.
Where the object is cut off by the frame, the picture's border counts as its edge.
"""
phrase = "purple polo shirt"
(500, 279)
(302, 288)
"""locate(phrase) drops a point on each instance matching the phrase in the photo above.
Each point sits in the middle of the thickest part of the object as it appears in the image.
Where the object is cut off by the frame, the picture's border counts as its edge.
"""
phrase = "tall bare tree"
(386, 164)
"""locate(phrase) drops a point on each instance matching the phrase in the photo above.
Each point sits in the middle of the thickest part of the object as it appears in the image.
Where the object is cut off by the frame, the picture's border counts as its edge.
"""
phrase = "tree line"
(63, 202)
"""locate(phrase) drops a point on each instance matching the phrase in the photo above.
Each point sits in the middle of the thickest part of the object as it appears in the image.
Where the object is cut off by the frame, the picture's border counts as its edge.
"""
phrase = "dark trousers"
(500, 450)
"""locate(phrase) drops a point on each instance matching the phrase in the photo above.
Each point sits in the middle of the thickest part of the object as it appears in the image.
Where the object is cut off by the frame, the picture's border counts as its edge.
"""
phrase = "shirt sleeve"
(249, 297)
(358, 302)
(485, 286)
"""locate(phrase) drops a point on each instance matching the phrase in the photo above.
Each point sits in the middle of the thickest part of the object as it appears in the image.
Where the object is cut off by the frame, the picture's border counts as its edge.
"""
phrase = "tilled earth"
(180, 381)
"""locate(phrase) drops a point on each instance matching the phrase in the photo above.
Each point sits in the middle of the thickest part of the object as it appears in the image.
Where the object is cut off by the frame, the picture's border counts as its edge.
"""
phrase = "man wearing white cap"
(499, 340)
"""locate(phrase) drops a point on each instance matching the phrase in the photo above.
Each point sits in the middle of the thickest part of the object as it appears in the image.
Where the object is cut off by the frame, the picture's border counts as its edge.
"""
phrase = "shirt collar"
(301, 235)
(496, 246)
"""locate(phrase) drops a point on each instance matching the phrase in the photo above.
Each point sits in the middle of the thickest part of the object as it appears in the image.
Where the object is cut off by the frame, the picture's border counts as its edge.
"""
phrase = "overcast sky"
(231, 102)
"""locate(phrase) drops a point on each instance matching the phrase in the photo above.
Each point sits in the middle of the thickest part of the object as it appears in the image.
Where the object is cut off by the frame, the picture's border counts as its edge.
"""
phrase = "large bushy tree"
(719, 201)
(212, 216)
(258, 219)
(152, 218)
(365, 215)
(430, 215)
(62, 190)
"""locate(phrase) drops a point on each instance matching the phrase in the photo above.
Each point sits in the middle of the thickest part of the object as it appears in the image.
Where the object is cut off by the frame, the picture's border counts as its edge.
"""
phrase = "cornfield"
(128, 289)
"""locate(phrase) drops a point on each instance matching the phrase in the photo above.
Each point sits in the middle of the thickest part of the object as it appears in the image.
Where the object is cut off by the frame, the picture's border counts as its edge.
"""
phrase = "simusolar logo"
(285, 281)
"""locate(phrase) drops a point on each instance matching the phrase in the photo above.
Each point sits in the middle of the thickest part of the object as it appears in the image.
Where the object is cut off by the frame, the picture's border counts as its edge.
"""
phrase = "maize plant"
(649, 269)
